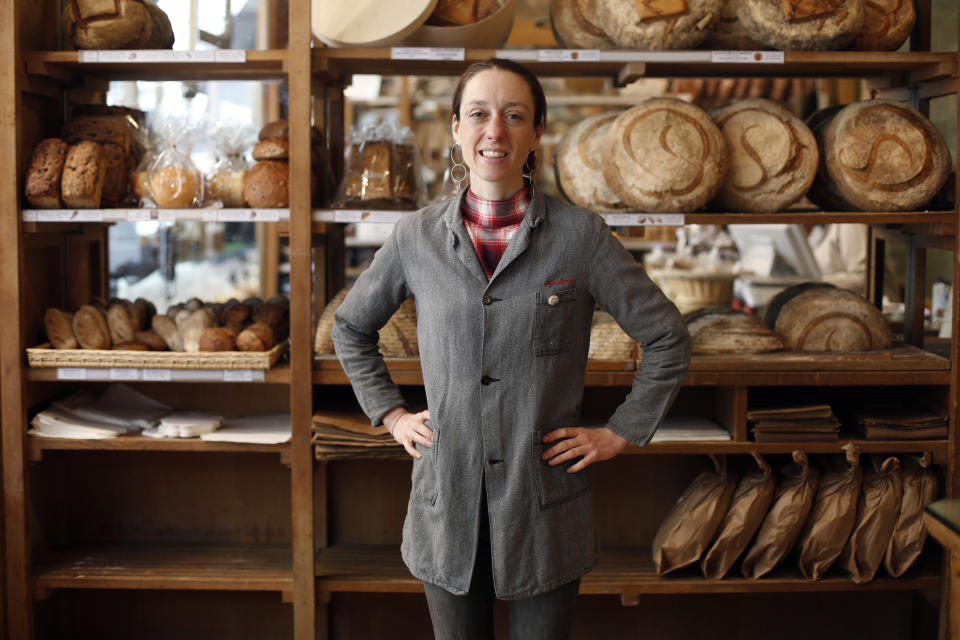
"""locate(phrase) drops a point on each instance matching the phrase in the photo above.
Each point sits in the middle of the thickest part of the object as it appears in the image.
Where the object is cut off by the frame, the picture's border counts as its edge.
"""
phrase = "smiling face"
(496, 131)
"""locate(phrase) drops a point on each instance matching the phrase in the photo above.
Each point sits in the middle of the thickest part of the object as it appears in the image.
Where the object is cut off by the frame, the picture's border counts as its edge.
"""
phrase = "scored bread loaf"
(84, 169)
(267, 185)
(59, 328)
(161, 33)
(664, 24)
(724, 331)
(887, 26)
(578, 162)
(107, 24)
(665, 155)
(772, 156)
(824, 191)
(885, 156)
(90, 328)
(728, 33)
(829, 319)
(803, 25)
(43, 176)
(119, 323)
(575, 25)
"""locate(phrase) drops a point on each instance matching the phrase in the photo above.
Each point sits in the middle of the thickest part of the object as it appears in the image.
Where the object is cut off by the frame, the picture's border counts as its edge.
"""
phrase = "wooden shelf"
(37, 446)
(168, 566)
(624, 572)
(339, 63)
(170, 65)
(279, 374)
(35, 220)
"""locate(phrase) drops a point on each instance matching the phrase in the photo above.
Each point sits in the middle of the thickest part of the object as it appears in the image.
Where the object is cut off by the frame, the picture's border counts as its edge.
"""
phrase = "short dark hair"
(539, 99)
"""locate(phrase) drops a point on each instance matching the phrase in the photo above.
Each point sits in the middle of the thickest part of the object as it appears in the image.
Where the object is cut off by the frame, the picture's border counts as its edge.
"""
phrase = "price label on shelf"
(427, 53)
(71, 373)
(211, 215)
(124, 374)
(645, 219)
(88, 216)
(230, 55)
(165, 215)
(157, 375)
(152, 55)
(29, 216)
(348, 215)
(237, 215)
(88, 56)
(267, 215)
(568, 55)
(238, 375)
(55, 215)
(138, 215)
(747, 57)
(381, 216)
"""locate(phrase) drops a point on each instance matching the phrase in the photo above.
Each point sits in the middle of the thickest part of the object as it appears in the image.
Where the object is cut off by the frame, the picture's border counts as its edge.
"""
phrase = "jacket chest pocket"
(554, 485)
(553, 331)
(426, 470)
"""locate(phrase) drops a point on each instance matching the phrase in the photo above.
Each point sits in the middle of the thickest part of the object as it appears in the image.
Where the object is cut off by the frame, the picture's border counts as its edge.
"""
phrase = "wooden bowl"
(489, 33)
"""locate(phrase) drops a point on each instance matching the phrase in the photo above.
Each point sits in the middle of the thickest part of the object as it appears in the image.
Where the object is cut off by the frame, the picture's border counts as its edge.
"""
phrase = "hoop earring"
(457, 176)
(528, 171)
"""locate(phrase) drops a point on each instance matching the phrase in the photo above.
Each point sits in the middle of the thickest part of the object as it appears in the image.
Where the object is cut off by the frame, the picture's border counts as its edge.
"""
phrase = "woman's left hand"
(591, 445)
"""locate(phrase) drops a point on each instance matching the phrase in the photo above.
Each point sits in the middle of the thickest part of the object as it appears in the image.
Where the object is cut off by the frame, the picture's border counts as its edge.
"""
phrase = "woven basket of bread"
(45, 356)
(609, 342)
(398, 338)
(691, 290)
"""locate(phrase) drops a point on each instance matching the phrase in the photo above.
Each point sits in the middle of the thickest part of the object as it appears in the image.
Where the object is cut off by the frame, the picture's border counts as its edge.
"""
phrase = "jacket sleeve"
(622, 288)
(377, 294)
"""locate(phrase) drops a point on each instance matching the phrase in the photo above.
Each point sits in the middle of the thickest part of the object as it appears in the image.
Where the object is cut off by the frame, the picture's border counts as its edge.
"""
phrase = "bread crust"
(90, 328)
(267, 185)
(575, 25)
(42, 187)
(578, 162)
(84, 170)
(836, 29)
(59, 329)
(623, 24)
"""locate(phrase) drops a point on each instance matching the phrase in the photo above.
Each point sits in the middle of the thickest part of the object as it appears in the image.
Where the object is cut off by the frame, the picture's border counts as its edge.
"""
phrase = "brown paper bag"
(832, 517)
(687, 530)
(877, 511)
(791, 506)
(749, 505)
(909, 534)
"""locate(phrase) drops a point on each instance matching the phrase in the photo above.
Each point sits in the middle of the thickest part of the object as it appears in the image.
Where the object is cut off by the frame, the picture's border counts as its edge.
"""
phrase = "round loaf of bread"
(665, 155)
(59, 328)
(217, 339)
(772, 156)
(824, 191)
(722, 331)
(887, 26)
(174, 187)
(121, 24)
(803, 25)
(669, 24)
(227, 186)
(267, 185)
(885, 156)
(578, 162)
(275, 129)
(90, 328)
(257, 337)
(829, 319)
(272, 149)
(574, 24)
(728, 34)
(161, 35)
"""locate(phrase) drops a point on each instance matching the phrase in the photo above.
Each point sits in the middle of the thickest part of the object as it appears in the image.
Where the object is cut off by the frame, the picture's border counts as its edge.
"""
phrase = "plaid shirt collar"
(491, 224)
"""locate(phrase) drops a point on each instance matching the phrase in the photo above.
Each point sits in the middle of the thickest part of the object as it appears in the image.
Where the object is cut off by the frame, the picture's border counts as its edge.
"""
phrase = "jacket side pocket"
(554, 485)
(553, 332)
(426, 470)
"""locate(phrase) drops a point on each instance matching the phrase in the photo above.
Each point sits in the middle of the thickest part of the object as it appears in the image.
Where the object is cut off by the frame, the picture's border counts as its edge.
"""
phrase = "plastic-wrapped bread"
(772, 155)
(575, 25)
(803, 25)
(665, 155)
(662, 24)
(84, 169)
(887, 26)
(578, 162)
(43, 176)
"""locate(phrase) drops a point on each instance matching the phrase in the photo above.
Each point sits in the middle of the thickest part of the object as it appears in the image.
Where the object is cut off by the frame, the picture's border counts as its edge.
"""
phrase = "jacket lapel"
(536, 212)
(460, 239)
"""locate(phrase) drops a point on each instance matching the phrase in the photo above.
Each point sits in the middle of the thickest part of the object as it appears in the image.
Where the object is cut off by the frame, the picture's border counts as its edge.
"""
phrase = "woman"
(505, 281)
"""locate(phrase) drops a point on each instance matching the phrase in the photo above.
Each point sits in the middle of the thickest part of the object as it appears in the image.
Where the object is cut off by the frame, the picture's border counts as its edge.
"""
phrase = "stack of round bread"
(772, 153)
(398, 338)
(578, 163)
(667, 24)
(575, 25)
(725, 330)
(117, 24)
(798, 25)
(267, 184)
(665, 155)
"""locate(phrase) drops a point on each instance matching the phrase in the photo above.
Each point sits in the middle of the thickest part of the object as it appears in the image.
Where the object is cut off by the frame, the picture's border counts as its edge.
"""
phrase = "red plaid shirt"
(491, 225)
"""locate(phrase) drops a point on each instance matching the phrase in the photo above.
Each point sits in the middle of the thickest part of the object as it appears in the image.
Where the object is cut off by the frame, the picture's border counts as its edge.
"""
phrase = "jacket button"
(485, 380)
(487, 300)
(493, 461)
(553, 300)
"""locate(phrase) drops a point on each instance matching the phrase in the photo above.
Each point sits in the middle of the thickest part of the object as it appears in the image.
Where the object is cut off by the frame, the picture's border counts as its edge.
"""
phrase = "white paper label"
(88, 56)
(427, 53)
(88, 216)
(239, 375)
(166, 216)
(211, 216)
(346, 215)
(762, 57)
(29, 216)
(231, 55)
(56, 215)
(644, 219)
(124, 374)
(135, 215)
(237, 215)
(155, 55)
(381, 216)
(568, 55)
(71, 374)
(157, 375)
(268, 215)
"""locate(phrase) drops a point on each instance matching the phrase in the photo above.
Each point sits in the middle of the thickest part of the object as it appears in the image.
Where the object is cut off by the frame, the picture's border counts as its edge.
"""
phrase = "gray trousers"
(546, 616)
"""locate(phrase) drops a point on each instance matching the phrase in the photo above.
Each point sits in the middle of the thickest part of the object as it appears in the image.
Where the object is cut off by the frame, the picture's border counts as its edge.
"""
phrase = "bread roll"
(175, 187)
(84, 169)
(829, 319)
(885, 156)
(772, 157)
(578, 162)
(575, 25)
(803, 25)
(667, 24)
(161, 33)
(165, 327)
(257, 337)
(90, 328)
(147, 310)
(44, 174)
(59, 328)
(272, 149)
(151, 340)
(130, 346)
(217, 339)
(237, 313)
(107, 24)
(728, 34)
(270, 313)
(196, 323)
(267, 185)
(119, 322)
(665, 155)
(887, 25)
(275, 129)
(227, 187)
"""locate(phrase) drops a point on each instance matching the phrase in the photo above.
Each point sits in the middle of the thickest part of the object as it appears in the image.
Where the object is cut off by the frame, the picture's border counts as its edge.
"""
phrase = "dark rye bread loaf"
(43, 177)
(578, 161)
(772, 156)
(84, 168)
(829, 319)
(728, 34)
(114, 129)
(803, 25)
(885, 156)
(575, 25)
(664, 24)
(888, 24)
(665, 155)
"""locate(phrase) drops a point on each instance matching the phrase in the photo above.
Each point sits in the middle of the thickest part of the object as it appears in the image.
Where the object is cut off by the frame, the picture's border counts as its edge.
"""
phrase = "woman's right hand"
(409, 429)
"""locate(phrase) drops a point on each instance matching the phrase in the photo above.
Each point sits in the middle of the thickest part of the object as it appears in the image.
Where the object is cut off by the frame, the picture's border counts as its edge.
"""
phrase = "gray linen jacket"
(503, 363)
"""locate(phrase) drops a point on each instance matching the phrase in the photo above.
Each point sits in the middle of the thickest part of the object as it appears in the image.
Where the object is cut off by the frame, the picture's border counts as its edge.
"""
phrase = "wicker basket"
(398, 338)
(609, 342)
(44, 356)
(692, 290)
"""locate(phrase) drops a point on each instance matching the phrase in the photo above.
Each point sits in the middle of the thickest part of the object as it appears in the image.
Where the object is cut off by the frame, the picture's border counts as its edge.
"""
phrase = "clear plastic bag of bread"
(383, 169)
(174, 180)
(228, 174)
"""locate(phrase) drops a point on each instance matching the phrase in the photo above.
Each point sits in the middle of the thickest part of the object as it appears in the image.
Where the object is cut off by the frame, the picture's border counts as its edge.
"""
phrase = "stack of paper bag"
(345, 433)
